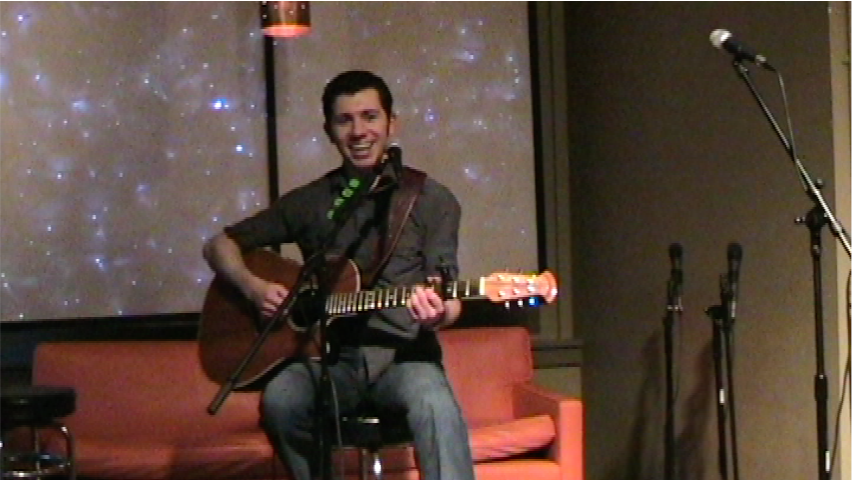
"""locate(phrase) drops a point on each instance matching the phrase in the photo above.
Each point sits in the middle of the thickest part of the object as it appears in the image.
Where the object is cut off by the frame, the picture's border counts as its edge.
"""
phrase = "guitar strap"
(401, 203)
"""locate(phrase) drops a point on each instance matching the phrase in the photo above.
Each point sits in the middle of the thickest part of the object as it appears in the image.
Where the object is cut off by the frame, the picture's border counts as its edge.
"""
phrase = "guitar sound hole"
(309, 308)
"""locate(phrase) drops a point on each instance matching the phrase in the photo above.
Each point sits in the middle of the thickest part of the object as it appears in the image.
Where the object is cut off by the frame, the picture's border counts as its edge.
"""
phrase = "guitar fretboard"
(344, 303)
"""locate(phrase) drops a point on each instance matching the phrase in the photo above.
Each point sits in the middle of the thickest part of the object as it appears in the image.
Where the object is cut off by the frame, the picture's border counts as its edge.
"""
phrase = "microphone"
(676, 257)
(735, 256)
(722, 39)
(394, 153)
(395, 160)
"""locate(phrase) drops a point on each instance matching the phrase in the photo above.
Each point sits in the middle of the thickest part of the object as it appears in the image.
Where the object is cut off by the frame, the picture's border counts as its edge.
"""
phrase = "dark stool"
(368, 431)
(37, 408)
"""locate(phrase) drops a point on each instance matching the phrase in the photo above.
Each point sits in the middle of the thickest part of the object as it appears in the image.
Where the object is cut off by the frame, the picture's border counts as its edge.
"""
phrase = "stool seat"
(372, 430)
(35, 405)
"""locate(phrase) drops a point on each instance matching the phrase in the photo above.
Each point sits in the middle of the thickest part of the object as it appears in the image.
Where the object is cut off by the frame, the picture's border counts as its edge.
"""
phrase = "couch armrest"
(567, 415)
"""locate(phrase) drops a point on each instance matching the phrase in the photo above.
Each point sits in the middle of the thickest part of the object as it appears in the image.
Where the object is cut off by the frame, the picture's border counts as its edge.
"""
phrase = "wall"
(667, 145)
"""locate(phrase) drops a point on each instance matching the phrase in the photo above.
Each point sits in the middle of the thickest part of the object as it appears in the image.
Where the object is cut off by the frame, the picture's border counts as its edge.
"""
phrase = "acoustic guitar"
(230, 323)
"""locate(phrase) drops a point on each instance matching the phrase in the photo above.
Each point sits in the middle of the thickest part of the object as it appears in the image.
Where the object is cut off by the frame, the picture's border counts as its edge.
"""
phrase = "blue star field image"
(131, 132)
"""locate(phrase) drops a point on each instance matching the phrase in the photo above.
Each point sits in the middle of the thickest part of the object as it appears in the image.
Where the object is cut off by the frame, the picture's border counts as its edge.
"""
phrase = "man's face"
(360, 128)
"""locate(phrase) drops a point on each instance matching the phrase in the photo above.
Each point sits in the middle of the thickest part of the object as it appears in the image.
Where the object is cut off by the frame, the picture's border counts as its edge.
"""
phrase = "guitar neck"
(354, 302)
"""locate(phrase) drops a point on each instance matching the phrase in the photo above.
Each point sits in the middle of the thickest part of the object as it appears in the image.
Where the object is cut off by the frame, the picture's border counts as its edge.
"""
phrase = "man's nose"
(359, 128)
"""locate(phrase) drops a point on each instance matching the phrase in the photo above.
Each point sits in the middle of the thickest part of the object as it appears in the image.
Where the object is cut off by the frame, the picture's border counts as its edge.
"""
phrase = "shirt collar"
(389, 177)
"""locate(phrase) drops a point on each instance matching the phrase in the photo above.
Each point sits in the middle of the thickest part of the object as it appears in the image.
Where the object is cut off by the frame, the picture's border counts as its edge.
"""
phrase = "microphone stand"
(313, 268)
(817, 217)
(815, 220)
(723, 323)
(673, 309)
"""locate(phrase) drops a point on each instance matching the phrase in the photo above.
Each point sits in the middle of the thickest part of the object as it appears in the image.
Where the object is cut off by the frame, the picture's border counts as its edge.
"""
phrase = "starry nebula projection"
(133, 131)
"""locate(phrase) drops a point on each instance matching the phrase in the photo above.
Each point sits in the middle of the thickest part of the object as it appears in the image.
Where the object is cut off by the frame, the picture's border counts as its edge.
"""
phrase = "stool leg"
(69, 447)
(2, 459)
(362, 464)
(377, 466)
(36, 448)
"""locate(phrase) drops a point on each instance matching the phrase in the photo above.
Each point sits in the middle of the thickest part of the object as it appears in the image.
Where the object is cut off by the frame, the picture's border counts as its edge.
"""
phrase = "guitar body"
(230, 324)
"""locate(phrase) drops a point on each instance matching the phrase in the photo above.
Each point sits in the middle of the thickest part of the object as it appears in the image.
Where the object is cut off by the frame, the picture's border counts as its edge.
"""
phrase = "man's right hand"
(224, 257)
(267, 296)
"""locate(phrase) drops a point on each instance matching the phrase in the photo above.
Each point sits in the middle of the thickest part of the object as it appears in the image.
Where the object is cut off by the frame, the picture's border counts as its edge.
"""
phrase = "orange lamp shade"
(285, 19)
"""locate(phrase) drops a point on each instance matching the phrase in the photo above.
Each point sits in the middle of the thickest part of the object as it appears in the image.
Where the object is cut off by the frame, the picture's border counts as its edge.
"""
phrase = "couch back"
(127, 389)
(156, 391)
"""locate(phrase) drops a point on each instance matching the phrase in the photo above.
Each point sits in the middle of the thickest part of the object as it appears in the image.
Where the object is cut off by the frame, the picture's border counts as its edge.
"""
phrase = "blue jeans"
(421, 389)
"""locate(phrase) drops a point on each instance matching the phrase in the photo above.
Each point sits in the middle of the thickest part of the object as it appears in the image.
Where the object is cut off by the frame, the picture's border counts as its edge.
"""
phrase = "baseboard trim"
(557, 353)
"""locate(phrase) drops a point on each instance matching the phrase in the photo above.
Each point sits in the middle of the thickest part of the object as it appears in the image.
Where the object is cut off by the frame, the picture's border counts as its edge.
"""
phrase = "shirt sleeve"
(281, 222)
(440, 245)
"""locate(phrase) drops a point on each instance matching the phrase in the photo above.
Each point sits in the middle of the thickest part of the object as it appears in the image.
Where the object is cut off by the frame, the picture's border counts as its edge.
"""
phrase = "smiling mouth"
(361, 152)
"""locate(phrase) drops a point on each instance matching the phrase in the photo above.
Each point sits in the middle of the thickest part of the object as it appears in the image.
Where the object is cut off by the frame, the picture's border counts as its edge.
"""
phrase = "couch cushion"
(250, 455)
(238, 457)
(511, 438)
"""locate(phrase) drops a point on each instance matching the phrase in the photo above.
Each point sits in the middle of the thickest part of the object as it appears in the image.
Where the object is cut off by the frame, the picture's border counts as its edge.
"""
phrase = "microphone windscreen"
(718, 37)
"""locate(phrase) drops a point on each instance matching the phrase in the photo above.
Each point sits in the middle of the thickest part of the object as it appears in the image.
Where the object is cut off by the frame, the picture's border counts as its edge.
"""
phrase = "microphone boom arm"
(810, 186)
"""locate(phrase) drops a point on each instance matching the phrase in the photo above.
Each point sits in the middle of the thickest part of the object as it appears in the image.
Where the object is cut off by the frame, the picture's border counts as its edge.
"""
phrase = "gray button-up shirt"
(428, 239)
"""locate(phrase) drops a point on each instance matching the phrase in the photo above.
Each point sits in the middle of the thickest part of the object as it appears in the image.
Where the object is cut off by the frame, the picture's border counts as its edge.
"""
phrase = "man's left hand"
(426, 307)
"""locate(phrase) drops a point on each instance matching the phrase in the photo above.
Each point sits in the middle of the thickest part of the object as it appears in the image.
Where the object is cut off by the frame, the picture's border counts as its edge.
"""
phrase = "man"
(390, 357)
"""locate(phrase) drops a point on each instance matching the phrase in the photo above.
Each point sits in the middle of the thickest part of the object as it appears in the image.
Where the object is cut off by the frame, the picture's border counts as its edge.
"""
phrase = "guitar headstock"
(505, 286)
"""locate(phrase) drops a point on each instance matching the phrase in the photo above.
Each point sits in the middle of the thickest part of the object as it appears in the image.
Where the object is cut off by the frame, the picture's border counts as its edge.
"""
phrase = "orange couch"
(141, 413)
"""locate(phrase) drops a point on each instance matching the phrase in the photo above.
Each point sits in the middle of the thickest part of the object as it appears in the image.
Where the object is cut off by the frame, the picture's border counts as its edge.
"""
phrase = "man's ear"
(392, 125)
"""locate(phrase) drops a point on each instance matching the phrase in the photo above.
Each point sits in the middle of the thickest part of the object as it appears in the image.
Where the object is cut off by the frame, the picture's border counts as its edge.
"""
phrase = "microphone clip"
(674, 286)
(675, 303)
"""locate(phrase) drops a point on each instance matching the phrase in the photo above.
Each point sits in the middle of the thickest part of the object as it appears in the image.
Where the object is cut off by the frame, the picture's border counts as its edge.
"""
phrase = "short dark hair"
(350, 83)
